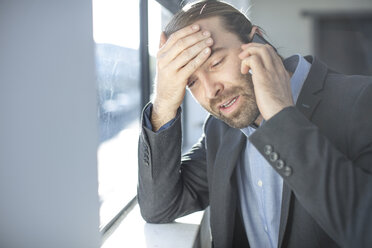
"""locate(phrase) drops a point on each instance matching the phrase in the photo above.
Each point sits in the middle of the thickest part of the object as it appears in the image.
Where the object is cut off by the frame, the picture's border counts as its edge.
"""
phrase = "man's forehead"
(213, 24)
(221, 36)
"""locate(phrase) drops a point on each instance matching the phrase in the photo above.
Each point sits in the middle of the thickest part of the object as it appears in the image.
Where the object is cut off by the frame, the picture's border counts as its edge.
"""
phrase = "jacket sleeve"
(170, 186)
(334, 188)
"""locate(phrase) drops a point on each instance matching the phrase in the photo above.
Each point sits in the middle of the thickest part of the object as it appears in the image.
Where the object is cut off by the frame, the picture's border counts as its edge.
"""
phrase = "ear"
(254, 30)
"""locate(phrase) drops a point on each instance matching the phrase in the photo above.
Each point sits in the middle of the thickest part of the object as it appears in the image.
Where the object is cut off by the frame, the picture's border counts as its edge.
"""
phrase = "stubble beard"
(244, 116)
(248, 111)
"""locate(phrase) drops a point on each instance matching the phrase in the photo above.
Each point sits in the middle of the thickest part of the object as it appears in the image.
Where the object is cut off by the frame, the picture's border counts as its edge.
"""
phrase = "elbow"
(153, 218)
(151, 215)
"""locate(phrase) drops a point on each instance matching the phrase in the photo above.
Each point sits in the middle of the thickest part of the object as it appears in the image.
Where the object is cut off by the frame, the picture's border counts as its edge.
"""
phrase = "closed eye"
(217, 63)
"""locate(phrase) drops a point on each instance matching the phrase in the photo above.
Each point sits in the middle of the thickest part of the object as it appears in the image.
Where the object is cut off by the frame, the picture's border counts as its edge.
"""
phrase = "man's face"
(218, 85)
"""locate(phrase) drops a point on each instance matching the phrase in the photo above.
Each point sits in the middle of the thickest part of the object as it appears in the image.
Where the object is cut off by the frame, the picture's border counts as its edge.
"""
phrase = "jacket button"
(268, 149)
(279, 164)
(146, 160)
(273, 156)
(287, 171)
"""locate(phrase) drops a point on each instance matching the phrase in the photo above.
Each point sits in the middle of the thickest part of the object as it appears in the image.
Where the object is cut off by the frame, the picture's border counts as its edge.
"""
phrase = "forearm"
(158, 182)
(165, 190)
(334, 189)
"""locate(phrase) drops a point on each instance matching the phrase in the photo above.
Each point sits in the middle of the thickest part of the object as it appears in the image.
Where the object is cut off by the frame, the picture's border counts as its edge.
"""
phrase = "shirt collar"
(300, 68)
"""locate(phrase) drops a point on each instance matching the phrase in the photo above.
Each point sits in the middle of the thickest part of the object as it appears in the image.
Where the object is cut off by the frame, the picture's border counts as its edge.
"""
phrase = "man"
(286, 155)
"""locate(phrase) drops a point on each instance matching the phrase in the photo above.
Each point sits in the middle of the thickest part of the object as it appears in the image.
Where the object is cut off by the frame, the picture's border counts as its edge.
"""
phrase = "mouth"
(229, 105)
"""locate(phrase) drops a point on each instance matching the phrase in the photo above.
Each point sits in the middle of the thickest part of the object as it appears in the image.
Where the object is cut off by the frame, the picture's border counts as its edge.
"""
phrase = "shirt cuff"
(147, 123)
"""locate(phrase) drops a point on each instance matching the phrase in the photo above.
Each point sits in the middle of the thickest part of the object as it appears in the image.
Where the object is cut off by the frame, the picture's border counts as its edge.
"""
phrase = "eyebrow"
(216, 50)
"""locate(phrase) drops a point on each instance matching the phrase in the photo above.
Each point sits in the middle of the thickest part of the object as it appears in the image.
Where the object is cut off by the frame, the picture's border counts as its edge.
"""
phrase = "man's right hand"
(177, 59)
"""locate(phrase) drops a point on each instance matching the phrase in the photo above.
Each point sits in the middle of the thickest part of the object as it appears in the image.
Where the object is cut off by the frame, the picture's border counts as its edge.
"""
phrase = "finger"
(187, 55)
(182, 44)
(260, 45)
(246, 51)
(173, 38)
(251, 44)
(265, 52)
(195, 63)
(253, 63)
(163, 39)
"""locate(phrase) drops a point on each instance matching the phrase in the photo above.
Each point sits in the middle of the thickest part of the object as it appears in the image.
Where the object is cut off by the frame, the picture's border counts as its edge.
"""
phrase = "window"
(121, 94)
(116, 34)
(159, 17)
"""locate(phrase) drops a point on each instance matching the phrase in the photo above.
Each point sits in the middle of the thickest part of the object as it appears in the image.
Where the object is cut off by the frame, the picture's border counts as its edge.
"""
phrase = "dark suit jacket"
(325, 143)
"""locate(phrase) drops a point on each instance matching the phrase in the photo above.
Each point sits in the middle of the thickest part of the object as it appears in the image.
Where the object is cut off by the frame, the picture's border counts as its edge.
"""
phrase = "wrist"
(276, 110)
(161, 115)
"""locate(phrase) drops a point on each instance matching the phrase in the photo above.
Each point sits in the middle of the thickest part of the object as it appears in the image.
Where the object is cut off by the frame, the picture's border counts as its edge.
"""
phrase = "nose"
(212, 86)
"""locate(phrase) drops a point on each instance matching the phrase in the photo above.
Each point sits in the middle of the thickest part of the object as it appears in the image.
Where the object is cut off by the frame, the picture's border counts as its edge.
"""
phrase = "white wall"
(285, 26)
(48, 168)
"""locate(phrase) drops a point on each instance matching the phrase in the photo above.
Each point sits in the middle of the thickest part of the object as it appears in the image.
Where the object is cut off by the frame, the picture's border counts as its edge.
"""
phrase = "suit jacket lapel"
(223, 204)
(307, 102)
(309, 97)
(228, 155)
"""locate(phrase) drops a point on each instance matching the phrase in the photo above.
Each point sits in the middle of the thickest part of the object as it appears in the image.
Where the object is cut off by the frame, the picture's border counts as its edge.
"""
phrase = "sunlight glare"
(115, 22)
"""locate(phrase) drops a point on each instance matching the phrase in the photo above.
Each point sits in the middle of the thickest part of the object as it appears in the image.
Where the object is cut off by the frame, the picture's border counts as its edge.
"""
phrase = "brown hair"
(233, 20)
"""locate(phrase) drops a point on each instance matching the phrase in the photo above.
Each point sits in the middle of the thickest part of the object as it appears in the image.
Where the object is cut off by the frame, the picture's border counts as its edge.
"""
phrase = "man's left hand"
(270, 79)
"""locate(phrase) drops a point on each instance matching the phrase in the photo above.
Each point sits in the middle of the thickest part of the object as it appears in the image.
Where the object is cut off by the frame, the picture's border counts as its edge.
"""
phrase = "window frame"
(145, 92)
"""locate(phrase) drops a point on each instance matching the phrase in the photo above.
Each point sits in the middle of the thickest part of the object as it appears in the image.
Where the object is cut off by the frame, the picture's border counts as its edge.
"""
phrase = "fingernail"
(206, 50)
(195, 27)
(209, 41)
(206, 33)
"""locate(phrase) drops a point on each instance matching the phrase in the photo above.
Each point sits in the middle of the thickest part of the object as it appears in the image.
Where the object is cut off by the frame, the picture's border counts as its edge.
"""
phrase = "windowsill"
(133, 231)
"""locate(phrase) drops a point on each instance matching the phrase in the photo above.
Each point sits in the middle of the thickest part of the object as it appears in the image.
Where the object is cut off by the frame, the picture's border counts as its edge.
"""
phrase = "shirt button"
(259, 183)
(266, 228)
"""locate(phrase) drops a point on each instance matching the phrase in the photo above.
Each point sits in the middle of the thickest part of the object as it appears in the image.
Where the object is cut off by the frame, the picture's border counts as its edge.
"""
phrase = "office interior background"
(74, 77)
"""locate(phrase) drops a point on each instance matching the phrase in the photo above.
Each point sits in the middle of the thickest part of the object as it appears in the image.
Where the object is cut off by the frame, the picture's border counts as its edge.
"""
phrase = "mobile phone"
(259, 39)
